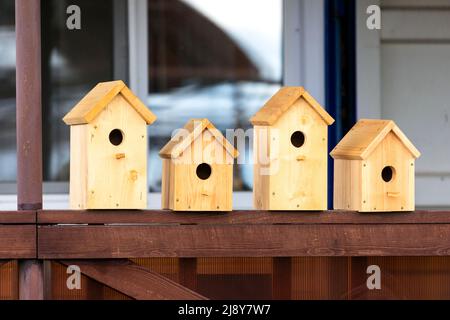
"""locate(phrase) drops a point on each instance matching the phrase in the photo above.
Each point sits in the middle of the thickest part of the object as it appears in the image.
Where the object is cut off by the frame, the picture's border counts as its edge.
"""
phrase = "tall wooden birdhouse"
(374, 168)
(108, 149)
(290, 152)
(198, 169)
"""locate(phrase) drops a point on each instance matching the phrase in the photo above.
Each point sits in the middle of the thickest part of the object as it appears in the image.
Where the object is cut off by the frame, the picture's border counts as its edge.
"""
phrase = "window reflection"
(218, 59)
(8, 167)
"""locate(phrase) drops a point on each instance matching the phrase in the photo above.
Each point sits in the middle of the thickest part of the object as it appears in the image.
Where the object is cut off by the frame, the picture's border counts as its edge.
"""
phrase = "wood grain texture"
(290, 177)
(84, 242)
(134, 281)
(31, 280)
(182, 188)
(250, 217)
(100, 179)
(281, 101)
(364, 137)
(99, 97)
(17, 217)
(17, 242)
(282, 278)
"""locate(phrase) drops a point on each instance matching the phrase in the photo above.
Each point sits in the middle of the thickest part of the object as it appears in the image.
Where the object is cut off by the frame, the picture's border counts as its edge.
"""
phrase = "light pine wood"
(104, 175)
(99, 97)
(117, 183)
(297, 177)
(279, 103)
(100, 179)
(182, 189)
(359, 184)
(365, 136)
(261, 166)
(378, 194)
(347, 182)
(78, 166)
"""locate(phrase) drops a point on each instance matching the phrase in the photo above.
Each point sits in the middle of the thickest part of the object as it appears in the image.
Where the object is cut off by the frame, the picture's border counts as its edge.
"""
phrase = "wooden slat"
(85, 242)
(17, 242)
(238, 217)
(31, 280)
(17, 217)
(134, 281)
(282, 278)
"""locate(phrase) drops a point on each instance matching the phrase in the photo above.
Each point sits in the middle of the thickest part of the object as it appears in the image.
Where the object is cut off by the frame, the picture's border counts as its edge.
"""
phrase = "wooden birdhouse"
(198, 169)
(108, 149)
(290, 152)
(374, 168)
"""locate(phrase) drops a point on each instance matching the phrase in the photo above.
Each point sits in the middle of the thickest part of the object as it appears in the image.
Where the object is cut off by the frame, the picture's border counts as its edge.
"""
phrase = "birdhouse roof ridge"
(88, 108)
(194, 128)
(365, 136)
(281, 101)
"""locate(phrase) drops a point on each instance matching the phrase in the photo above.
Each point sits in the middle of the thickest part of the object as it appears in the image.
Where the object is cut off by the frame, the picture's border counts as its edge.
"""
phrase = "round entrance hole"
(297, 139)
(203, 171)
(388, 173)
(116, 137)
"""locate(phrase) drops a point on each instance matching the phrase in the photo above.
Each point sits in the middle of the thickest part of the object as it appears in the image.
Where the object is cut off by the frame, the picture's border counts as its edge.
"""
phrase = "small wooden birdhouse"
(374, 168)
(108, 149)
(290, 152)
(198, 169)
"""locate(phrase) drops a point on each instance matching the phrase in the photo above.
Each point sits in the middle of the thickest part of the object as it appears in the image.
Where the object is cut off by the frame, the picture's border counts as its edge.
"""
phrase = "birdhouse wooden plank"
(290, 152)
(198, 169)
(108, 149)
(374, 168)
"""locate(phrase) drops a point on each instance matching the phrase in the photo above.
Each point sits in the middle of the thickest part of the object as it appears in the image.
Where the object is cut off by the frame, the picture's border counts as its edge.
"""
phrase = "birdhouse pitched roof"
(365, 136)
(279, 103)
(99, 97)
(194, 128)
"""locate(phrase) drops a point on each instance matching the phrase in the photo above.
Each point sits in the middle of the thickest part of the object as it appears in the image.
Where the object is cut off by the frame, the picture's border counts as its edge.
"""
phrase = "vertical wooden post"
(187, 273)
(358, 277)
(29, 130)
(282, 278)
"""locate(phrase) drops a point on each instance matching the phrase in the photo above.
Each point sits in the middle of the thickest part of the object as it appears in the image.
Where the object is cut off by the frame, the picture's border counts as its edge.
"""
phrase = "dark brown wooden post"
(282, 278)
(29, 131)
(358, 278)
(187, 272)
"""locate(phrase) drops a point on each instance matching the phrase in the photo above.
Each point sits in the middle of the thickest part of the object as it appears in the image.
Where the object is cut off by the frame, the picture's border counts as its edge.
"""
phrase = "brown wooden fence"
(163, 255)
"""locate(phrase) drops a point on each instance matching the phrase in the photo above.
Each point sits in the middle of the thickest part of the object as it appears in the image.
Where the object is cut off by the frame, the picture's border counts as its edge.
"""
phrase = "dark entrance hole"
(388, 173)
(116, 137)
(203, 171)
(297, 139)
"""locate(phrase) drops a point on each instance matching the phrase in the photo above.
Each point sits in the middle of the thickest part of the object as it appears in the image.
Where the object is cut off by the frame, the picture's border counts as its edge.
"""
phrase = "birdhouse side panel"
(78, 166)
(117, 158)
(261, 167)
(203, 177)
(299, 153)
(167, 184)
(388, 184)
(347, 188)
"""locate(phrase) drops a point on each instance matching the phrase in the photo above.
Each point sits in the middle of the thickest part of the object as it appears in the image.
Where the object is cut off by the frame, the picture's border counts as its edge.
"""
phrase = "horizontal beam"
(18, 242)
(134, 281)
(90, 242)
(238, 217)
(17, 217)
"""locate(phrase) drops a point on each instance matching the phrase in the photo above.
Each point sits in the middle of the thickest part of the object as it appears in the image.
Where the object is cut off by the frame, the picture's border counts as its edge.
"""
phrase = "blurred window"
(218, 59)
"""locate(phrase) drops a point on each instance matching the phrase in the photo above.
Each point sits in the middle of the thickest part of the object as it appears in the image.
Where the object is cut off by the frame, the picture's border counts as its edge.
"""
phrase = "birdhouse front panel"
(198, 170)
(204, 177)
(114, 171)
(374, 168)
(108, 149)
(388, 177)
(301, 161)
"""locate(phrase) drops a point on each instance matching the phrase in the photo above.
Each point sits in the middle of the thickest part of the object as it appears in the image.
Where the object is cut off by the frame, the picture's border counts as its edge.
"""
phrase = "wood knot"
(133, 175)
